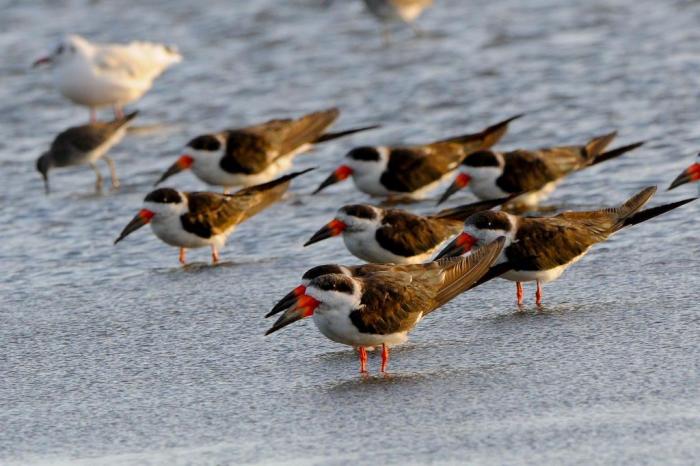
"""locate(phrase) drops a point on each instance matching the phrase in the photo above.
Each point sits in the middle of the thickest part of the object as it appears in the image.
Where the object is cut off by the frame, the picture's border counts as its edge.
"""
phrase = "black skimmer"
(326, 269)
(492, 174)
(382, 306)
(255, 154)
(689, 175)
(101, 75)
(85, 145)
(198, 219)
(411, 172)
(395, 236)
(541, 248)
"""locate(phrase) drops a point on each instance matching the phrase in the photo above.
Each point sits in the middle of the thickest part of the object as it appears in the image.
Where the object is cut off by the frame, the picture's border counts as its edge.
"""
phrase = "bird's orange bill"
(288, 301)
(304, 307)
(142, 218)
(333, 228)
(460, 182)
(341, 173)
(183, 163)
(460, 245)
(42, 61)
(692, 173)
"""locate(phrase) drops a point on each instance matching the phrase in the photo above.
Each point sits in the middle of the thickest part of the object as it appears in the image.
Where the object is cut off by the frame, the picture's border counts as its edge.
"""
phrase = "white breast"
(169, 230)
(208, 169)
(544, 276)
(337, 326)
(363, 244)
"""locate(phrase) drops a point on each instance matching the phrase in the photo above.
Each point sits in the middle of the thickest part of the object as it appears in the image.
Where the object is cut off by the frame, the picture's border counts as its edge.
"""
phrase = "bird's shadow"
(535, 311)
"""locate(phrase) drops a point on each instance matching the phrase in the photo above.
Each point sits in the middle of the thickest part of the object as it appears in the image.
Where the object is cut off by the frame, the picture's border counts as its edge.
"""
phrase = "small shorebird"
(199, 219)
(255, 154)
(395, 236)
(411, 172)
(541, 248)
(100, 75)
(689, 175)
(382, 306)
(406, 11)
(492, 174)
(84, 145)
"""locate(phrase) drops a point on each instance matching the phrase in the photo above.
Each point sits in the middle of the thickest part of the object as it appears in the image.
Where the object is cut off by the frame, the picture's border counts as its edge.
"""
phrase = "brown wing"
(532, 170)
(410, 235)
(485, 139)
(251, 150)
(211, 214)
(412, 168)
(246, 152)
(395, 298)
(546, 243)
(284, 136)
(391, 302)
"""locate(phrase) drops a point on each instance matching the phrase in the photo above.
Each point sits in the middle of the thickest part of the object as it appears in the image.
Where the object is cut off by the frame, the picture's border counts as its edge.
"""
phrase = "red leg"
(519, 292)
(214, 255)
(183, 253)
(385, 358)
(363, 360)
(538, 295)
(93, 115)
(118, 112)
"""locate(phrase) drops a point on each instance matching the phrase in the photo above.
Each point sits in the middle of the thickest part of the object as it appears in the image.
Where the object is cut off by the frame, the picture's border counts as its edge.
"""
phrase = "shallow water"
(115, 355)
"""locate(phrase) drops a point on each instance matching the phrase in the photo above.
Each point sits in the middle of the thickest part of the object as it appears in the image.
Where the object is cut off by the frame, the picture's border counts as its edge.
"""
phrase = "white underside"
(544, 276)
(208, 170)
(363, 245)
(369, 183)
(170, 231)
(337, 326)
(487, 189)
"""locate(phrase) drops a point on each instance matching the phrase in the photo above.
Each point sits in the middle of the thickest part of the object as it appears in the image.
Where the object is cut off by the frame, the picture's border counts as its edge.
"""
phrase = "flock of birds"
(415, 263)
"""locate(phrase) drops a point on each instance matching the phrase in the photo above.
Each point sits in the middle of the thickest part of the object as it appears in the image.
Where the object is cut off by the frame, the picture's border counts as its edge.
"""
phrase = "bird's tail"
(463, 212)
(644, 215)
(611, 154)
(339, 134)
(126, 119)
(463, 272)
(271, 184)
(597, 145)
(255, 199)
(163, 55)
(484, 139)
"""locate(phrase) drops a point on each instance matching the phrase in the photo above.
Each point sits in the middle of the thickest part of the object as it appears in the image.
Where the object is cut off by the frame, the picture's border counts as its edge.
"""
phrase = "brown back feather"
(461, 273)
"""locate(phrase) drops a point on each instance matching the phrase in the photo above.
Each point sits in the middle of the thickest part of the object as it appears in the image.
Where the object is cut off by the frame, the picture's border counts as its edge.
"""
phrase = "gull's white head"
(67, 50)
